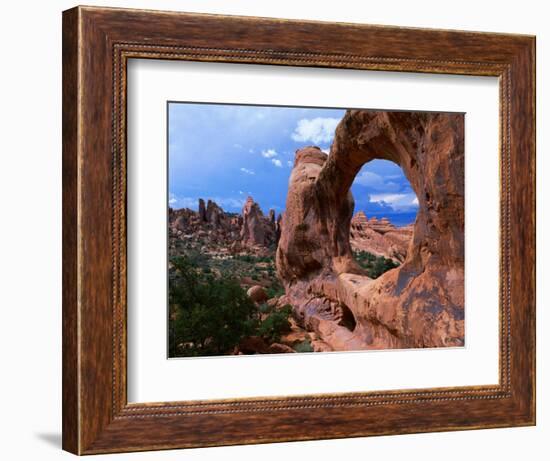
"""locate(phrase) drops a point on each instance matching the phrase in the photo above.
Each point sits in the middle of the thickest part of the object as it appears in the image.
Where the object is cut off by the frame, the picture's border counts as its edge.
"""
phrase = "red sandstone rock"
(214, 214)
(419, 304)
(278, 228)
(278, 348)
(380, 238)
(257, 229)
(253, 345)
(214, 230)
(257, 294)
(202, 210)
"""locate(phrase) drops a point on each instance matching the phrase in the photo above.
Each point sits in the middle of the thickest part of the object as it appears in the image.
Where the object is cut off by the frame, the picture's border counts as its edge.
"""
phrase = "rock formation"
(257, 229)
(418, 304)
(214, 214)
(257, 294)
(379, 237)
(212, 227)
(278, 229)
(202, 210)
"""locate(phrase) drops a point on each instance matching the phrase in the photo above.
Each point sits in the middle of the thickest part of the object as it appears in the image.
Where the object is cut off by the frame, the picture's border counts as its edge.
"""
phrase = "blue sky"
(228, 152)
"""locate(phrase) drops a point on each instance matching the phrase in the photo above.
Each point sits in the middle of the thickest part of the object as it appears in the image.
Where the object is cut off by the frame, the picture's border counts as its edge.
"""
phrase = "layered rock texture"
(418, 304)
(380, 237)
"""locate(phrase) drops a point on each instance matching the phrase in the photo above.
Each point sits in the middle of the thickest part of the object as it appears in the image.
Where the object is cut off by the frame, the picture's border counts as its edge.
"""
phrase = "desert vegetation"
(212, 314)
(374, 265)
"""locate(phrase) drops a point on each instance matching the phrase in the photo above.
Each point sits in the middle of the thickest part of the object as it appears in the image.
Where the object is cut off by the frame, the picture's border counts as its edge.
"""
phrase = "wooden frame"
(97, 43)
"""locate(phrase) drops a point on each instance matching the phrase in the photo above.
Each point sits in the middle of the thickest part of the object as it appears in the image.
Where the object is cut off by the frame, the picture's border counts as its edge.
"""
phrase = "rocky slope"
(419, 304)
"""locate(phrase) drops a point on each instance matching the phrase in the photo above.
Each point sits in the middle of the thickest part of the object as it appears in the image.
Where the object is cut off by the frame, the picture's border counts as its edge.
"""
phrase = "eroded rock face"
(257, 229)
(214, 214)
(271, 216)
(202, 210)
(380, 237)
(419, 304)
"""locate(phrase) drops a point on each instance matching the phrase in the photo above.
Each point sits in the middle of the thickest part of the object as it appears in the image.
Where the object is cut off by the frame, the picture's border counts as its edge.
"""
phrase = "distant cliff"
(380, 237)
(212, 228)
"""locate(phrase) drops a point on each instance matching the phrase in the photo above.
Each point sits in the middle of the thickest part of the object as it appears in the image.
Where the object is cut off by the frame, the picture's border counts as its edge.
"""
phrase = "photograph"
(313, 229)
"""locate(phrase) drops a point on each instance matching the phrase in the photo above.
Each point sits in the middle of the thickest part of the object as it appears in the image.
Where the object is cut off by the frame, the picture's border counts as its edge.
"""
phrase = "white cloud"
(398, 202)
(388, 198)
(247, 171)
(377, 182)
(269, 153)
(193, 202)
(369, 179)
(172, 199)
(277, 162)
(317, 130)
(229, 202)
(289, 163)
(237, 146)
(183, 202)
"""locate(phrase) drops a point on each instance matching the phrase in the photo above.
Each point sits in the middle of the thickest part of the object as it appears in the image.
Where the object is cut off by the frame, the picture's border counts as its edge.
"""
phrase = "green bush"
(209, 316)
(374, 265)
(264, 308)
(276, 324)
(304, 346)
(275, 290)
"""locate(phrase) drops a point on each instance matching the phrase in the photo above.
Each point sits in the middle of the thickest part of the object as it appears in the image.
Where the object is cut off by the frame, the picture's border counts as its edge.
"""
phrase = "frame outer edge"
(90, 420)
(522, 192)
(533, 52)
(70, 191)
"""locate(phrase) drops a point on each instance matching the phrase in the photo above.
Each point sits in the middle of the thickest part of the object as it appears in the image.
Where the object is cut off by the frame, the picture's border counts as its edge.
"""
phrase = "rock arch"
(419, 304)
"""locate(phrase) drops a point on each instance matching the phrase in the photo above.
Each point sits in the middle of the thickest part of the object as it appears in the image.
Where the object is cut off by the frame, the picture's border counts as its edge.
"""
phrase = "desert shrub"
(244, 258)
(276, 324)
(209, 316)
(374, 265)
(264, 308)
(275, 290)
(382, 265)
(197, 258)
(304, 346)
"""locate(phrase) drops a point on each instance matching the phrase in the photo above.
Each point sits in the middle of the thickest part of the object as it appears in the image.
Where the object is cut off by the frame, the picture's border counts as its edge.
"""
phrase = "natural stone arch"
(419, 304)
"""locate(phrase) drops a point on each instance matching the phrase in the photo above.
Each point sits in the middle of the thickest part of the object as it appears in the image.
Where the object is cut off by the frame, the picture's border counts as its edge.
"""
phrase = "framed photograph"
(281, 230)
